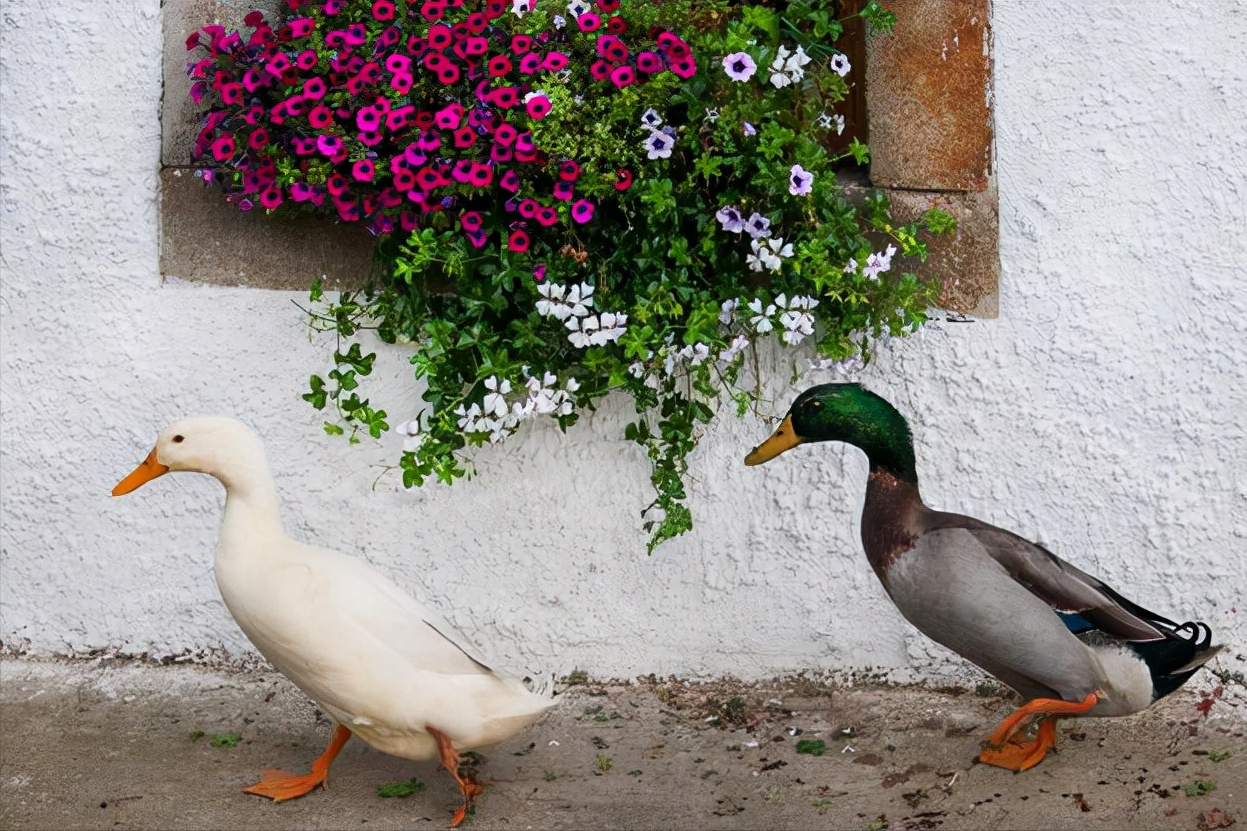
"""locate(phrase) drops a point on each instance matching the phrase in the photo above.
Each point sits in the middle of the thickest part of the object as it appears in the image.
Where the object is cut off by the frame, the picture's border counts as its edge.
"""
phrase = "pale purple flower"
(731, 220)
(800, 181)
(651, 119)
(758, 226)
(659, 145)
(840, 65)
(739, 66)
(878, 263)
(749, 129)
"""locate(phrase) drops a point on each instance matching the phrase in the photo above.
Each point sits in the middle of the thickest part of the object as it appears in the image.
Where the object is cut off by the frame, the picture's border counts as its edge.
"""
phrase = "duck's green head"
(847, 413)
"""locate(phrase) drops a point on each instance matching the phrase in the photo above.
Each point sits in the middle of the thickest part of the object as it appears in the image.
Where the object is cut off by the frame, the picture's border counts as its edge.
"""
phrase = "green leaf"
(399, 790)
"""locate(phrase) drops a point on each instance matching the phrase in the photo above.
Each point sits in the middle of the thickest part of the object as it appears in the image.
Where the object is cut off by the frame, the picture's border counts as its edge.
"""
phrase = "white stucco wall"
(1102, 413)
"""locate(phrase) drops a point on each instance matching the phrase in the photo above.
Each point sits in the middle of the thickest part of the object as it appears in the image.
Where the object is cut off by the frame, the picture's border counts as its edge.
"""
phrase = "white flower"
(748, 129)
(851, 266)
(577, 7)
(779, 248)
(582, 330)
(495, 401)
(695, 353)
(802, 302)
(878, 263)
(737, 346)
(761, 320)
(731, 220)
(636, 369)
(651, 119)
(468, 417)
(797, 326)
(551, 303)
(840, 65)
(519, 8)
(779, 76)
(727, 311)
(411, 430)
(579, 298)
(659, 145)
(559, 21)
(613, 328)
(712, 114)
(758, 226)
(796, 62)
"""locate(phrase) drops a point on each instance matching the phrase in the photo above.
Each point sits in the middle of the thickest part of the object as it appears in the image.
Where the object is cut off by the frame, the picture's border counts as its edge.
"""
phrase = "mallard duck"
(382, 665)
(1066, 642)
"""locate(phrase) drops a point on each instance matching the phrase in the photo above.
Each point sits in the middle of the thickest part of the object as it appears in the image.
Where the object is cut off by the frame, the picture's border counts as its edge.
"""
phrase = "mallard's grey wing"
(1066, 588)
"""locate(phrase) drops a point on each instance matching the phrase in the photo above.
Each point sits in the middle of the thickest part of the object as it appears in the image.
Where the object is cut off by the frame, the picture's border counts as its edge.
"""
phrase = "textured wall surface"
(1101, 413)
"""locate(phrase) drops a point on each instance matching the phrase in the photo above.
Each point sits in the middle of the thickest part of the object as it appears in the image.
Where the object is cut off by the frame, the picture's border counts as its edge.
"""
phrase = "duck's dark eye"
(814, 404)
(179, 439)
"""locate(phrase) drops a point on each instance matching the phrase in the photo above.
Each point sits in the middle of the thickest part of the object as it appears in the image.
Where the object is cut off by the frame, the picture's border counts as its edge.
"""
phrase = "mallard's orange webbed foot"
(279, 785)
(1019, 754)
(1008, 747)
(467, 783)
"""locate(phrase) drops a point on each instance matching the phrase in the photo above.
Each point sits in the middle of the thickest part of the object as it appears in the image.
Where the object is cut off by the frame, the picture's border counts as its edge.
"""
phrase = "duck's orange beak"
(145, 472)
(784, 438)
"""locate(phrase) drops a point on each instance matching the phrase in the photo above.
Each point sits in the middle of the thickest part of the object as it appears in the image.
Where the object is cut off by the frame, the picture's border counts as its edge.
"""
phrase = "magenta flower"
(332, 6)
(538, 107)
(337, 184)
(612, 48)
(448, 75)
(439, 38)
(448, 117)
(477, 238)
(271, 198)
(564, 191)
(622, 76)
(673, 45)
(328, 144)
(368, 118)
(320, 117)
(505, 135)
(506, 97)
(482, 175)
(649, 63)
(524, 143)
(223, 148)
(528, 208)
(278, 64)
(510, 181)
(304, 145)
(369, 138)
(257, 139)
(475, 22)
(600, 70)
(301, 191)
(231, 93)
(554, 62)
(306, 60)
(589, 22)
(582, 211)
(398, 63)
(623, 179)
(465, 137)
(407, 221)
(499, 65)
(608, 5)
(530, 63)
(383, 10)
(301, 27)
(433, 10)
(518, 241)
(245, 205)
(569, 170)
(470, 221)
(462, 171)
(519, 44)
(547, 216)
(685, 67)
(402, 82)
(404, 179)
(539, 273)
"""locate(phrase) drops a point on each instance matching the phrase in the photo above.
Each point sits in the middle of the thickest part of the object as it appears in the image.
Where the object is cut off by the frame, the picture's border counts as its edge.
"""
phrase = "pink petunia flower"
(383, 10)
(649, 63)
(623, 179)
(223, 148)
(320, 117)
(582, 211)
(554, 62)
(622, 76)
(538, 107)
(518, 241)
(589, 22)
(510, 181)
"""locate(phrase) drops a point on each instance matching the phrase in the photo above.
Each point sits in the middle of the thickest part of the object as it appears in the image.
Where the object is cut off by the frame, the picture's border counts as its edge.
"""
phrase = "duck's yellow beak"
(147, 471)
(784, 438)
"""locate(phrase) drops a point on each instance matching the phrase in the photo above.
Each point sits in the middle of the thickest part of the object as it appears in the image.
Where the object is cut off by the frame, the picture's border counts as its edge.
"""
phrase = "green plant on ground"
(400, 789)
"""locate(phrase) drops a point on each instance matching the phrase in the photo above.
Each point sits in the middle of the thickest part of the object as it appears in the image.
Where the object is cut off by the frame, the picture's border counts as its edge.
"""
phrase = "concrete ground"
(129, 745)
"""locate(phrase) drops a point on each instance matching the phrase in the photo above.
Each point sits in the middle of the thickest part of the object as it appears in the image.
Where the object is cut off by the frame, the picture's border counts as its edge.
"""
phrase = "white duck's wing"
(1064, 587)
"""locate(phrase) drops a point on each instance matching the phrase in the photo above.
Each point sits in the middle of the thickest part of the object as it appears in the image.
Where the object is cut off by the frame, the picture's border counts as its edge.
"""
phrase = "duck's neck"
(890, 518)
(252, 511)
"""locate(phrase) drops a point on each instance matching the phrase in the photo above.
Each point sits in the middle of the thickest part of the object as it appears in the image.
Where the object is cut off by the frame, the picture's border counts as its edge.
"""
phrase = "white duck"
(382, 665)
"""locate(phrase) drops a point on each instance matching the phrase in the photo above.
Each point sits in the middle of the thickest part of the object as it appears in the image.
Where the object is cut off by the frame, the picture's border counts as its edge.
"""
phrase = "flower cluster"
(400, 111)
(571, 198)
